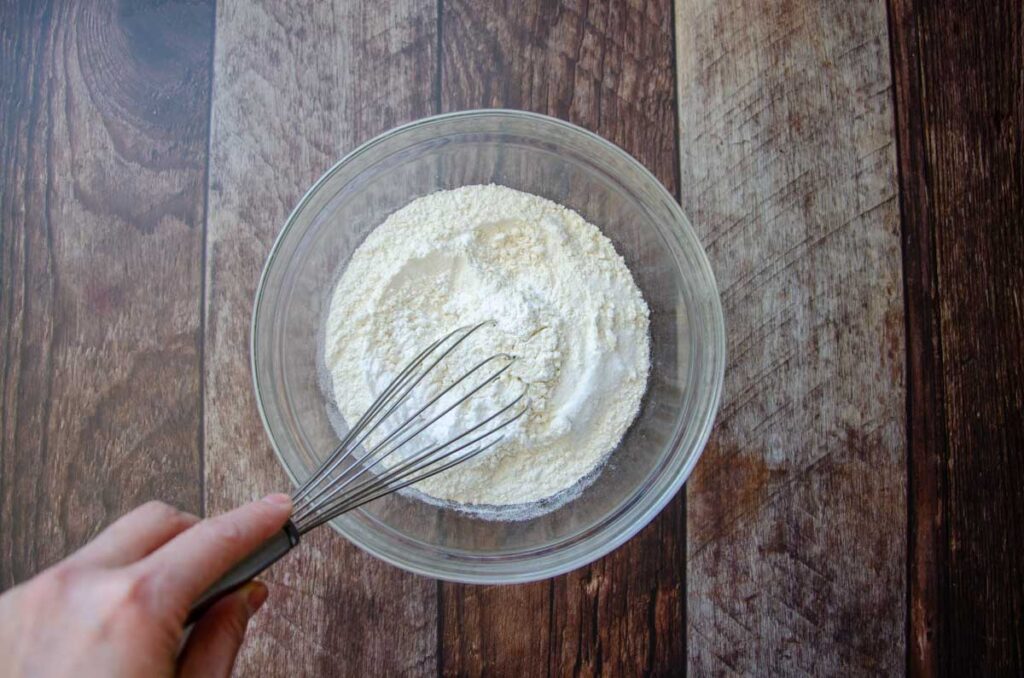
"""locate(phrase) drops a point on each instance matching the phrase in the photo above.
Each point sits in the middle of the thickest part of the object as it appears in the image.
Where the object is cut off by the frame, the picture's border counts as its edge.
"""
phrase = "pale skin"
(116, 607)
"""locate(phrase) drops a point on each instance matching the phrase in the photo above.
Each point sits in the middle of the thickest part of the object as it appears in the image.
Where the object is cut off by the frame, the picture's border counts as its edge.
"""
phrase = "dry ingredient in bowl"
(562, 301)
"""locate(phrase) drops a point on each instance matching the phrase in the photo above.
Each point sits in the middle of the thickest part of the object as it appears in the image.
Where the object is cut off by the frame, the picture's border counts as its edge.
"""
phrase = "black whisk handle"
(266, 555)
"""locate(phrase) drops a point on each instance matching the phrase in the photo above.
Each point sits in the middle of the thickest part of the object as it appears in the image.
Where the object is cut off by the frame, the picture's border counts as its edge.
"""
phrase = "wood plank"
(797, 512)
(959, 75)
(297, 85)
(927, 645)
(104, 116)
(607, 67)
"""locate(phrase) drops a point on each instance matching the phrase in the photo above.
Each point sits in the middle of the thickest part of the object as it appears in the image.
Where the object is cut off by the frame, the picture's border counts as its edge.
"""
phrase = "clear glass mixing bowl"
(571, 166)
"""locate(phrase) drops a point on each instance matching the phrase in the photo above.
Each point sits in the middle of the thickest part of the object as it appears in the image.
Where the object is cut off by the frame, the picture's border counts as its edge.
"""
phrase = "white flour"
(563, 302)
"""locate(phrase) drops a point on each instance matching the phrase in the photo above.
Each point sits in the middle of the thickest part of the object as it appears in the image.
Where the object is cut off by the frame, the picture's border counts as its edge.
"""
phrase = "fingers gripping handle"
(266, 555)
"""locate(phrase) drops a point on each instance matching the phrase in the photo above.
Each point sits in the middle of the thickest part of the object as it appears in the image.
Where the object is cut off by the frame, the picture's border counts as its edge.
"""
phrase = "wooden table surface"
(854, 169)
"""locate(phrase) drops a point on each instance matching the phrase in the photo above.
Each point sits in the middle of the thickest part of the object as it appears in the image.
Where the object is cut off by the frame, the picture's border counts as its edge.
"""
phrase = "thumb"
(214, 642)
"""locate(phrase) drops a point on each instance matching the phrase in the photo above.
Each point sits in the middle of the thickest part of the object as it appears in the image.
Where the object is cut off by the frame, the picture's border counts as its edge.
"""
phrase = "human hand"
(116, 606)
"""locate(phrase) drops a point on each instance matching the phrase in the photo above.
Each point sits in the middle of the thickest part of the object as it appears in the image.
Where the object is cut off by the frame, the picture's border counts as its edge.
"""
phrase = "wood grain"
(959, 75)
(796, 513)
(607, 67)
(104, 124)
(927, 632)
(297, 85)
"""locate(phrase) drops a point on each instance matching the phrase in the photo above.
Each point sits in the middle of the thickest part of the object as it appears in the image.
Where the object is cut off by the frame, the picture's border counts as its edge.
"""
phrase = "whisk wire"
(334, 489)
(348, 444)
(344, 447)
(416, 463)
(349, 506)
(339, 482)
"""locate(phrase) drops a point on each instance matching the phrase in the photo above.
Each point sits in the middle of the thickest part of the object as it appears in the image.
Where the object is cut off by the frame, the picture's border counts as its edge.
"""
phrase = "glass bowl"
(556, 160)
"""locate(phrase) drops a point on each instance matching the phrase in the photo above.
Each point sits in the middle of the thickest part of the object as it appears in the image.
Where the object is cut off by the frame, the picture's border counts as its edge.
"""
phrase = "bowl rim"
(715, 335)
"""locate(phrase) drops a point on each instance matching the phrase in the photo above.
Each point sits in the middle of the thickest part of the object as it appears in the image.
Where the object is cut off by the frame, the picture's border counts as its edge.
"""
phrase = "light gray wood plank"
(797, 512)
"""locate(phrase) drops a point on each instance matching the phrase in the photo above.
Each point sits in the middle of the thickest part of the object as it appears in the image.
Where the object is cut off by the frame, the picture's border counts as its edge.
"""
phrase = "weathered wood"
(959, 75)
(927, 632)
(796, 514)
(505, 630)
(607, 67)
(296, 85)
(102, 166)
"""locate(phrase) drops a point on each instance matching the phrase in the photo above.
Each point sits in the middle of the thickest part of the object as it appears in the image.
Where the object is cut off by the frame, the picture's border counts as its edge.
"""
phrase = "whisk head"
(347, 480)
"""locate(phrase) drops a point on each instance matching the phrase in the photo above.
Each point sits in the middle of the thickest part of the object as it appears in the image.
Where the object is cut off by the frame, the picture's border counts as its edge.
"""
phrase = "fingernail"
(278, 498)
(256, 597)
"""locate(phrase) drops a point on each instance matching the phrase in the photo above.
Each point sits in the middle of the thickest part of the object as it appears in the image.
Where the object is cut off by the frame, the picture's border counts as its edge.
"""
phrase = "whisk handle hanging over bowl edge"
(263, 557)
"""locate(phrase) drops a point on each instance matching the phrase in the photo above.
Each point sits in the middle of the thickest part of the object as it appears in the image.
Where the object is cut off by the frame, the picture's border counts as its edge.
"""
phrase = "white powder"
(563, 303)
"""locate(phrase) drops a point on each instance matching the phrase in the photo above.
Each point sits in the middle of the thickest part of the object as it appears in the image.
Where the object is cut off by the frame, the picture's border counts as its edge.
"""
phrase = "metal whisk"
(347, 480)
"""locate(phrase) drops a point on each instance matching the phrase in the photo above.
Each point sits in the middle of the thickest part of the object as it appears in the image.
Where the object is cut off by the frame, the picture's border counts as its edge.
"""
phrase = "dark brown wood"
(927, 630)
(102, 166)
(503, 630)
(607, 67)
(296, 86)
(796, 514)
(959, 74)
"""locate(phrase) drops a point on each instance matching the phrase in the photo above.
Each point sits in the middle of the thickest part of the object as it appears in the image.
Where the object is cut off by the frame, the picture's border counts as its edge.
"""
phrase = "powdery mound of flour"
(562, 301)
